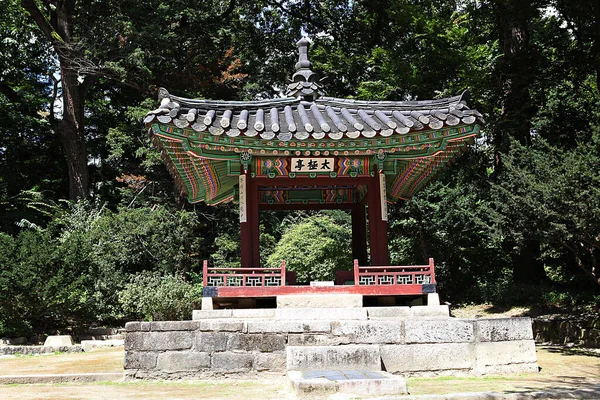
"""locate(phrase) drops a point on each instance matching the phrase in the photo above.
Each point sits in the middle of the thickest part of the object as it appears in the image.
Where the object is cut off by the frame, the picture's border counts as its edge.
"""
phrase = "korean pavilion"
(310, 151)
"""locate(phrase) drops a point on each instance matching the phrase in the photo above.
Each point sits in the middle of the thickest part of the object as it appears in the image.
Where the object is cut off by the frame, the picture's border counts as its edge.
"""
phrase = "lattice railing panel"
(244, 276)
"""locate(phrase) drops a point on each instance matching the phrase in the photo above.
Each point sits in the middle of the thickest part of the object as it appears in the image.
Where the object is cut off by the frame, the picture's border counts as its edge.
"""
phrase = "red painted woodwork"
(273, 291)
(246, 239)
(254, 211)
(377, 227)
(243, 277)
(368, 280)
(394, 274)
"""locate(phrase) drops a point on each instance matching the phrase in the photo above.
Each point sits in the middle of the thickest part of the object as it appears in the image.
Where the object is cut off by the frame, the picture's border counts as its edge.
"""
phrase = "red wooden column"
(254, 211)
(246, 238)
(377, 222)
(359, 233)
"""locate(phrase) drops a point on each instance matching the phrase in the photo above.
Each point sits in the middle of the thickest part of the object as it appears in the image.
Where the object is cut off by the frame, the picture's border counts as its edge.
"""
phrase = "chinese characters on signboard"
(307, 164)
(243, 206)
(383, 197)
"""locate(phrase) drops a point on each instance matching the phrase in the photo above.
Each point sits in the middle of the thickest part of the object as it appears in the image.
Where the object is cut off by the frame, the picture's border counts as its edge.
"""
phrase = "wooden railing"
(363, 276)
(394, 275)
(213, 276)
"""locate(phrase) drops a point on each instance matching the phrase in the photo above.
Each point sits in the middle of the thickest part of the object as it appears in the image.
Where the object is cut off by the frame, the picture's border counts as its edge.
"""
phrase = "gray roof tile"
(324, 117)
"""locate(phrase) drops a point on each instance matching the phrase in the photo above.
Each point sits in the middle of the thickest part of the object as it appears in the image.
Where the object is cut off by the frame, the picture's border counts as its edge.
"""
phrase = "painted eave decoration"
(208, 143)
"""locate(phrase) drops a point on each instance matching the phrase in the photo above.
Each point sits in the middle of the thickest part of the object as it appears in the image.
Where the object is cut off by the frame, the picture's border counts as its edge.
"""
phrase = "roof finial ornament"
(305, 83)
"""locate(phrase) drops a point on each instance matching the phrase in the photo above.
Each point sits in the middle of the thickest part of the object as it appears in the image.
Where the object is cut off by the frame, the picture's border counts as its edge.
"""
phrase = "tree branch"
(15, 97)
(40, 21)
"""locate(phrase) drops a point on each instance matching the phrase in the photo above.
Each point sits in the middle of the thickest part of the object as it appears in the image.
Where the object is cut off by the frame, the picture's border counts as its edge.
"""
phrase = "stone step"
(348, 357)
(320, 301)
(321, 383)
(322, 314)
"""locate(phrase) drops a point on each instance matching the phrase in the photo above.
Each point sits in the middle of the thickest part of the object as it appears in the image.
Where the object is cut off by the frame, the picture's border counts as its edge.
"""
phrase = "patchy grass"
(260, 388)
(560, 369)
(109, 360)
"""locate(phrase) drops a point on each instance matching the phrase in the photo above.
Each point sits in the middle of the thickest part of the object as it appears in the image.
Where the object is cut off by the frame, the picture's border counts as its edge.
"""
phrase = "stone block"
(161, 326)
(381, 331)
(350, 357)
(206, 314)
(178, 361)
(211, 341)
(59, 340)
(437, 357)
(273, 362)
(389, 385)
(221, 325)
(320, 301)
(503, 329)
(159, 341)
(433, 299)
(439, 331)
(256, 342)
(430, 311)
(271, 326)
(330, 314)
(253, 313)
(207, 303)
(140, 360)
(132, 326)
(307, 339)
(507, 369)
(504, 353)
(89, 345)
(228, 361)
(388, 312)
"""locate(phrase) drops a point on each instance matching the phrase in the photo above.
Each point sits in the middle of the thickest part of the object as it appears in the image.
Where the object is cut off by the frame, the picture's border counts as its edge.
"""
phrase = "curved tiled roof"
(291, 118)
(205, 142)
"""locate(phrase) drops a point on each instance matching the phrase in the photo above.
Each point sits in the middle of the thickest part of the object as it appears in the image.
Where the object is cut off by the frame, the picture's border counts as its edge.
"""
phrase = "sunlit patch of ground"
(561, 368)
(103, 360)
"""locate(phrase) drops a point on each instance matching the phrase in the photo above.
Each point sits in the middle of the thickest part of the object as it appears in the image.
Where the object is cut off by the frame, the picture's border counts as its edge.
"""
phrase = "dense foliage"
(517, 216)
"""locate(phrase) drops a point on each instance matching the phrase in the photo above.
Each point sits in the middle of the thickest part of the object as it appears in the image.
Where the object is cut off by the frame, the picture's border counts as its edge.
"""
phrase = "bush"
(316, 247)
(153, 297)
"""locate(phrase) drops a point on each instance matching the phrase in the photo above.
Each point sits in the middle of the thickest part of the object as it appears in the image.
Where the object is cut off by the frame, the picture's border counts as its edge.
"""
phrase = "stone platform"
(419, 340)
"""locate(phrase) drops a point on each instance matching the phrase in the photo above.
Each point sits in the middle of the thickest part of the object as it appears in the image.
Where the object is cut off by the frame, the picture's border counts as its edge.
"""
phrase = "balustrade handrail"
(239, 272)
(393, 270)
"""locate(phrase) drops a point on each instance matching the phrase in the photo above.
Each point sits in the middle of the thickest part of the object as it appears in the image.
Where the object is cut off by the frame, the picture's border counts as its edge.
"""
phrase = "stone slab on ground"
(320, 301)
(317, 383)
(89, 345)
(59, 340)
(60, 378)
(30, 350)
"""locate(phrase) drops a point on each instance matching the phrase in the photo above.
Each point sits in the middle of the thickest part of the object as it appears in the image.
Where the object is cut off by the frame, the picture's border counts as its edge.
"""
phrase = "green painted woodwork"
(207, 166)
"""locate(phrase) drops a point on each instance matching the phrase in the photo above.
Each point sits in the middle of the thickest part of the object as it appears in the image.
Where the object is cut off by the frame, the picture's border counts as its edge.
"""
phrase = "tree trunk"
(70, 128)
(527, 266)
(516, 71)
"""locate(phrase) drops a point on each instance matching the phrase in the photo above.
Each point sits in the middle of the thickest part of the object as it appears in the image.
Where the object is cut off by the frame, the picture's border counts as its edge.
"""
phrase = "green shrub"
(154, 297)
(316, 247)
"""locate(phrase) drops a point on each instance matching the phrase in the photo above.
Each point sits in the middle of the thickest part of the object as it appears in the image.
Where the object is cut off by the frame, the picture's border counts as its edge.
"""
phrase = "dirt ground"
(561, 368)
